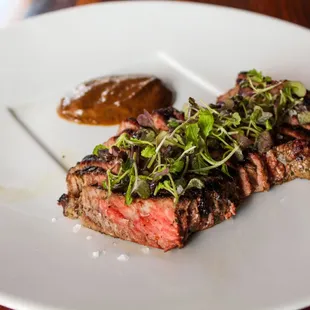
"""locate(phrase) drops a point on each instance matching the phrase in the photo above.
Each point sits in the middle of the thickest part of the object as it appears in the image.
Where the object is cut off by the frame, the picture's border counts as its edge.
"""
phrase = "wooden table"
(296, 11)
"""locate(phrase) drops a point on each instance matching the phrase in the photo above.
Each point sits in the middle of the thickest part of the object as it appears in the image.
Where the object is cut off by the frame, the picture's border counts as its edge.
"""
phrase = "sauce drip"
(110, 100)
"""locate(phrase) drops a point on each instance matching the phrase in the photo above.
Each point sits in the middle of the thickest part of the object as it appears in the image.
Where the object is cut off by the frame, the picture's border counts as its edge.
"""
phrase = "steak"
(156, 221)
(281, 164)
(288, 161)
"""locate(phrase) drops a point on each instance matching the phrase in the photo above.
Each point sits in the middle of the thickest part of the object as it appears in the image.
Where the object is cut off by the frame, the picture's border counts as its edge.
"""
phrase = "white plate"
(258, 260)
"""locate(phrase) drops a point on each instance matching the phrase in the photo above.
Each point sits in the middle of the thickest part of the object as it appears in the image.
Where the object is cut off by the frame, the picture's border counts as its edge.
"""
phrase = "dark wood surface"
(296, 11)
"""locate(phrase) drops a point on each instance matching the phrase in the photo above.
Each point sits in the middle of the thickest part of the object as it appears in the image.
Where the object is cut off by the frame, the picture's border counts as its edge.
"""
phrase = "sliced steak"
(242, 91)
(281, 164)
(130, 123)
(246, 185)
(293, 121)
(70, 206)
(235, 90)
(152, 222)
(77, 179)
(230, 93)
(161, 117)
(155, 222)
(261, 174)
(90, 171)
(91, 175)
(218, 201)
(306, 126)
(295, 132)
(289, 161)
(111, 163)
(238, 89)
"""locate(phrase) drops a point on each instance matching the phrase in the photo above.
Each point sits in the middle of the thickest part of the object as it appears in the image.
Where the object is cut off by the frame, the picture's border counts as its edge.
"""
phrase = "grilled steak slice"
(246, 185)
(233, 91)
(289, 161)
(75, 182)
(295, 132)
(158, 119)
(261, 174)
(154, 222)
(161, 116)
(90, 171)
(130, 123)
(253, 175)
(218, 201)
(245, 91)
(91, 175)
(281, 164)
(96, 161)
(70, 206)
(293, 121)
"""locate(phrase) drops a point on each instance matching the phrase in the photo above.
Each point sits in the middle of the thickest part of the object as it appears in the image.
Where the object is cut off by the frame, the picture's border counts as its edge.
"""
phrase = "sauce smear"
(110, 100)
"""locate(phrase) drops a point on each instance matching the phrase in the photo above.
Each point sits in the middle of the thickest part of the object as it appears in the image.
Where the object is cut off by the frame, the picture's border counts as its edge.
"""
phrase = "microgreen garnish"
(98, 148)
(211, 136)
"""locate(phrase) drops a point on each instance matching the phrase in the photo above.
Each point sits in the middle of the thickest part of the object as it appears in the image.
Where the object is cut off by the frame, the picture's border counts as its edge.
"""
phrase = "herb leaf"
(198, 163)
(297, 88)
(225, 170)
(166, 185)
(268, 125)
(194, 183)
(148, 152)
(98, 148)
(173, 123)
(146, 119)
(128, 197)
(237, 119)
(177, 166)
(191, 133)
(205, 122)
(142, 188)
(304, 118)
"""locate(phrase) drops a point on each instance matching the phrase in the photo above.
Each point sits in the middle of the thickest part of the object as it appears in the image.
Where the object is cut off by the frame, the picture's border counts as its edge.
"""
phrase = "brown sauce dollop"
(110, 100)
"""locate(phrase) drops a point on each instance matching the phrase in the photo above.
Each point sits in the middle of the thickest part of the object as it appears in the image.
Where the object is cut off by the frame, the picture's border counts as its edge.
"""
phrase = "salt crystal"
(79, 112)
(54, 219)
(114, 243)
(282, 199)
(89, 237)
(76, 228)
(145, 250)
(123, 258)
(95, 254)
(103, 252)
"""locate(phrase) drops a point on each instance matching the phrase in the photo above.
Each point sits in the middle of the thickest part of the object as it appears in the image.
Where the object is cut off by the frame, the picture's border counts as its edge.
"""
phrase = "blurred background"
(296, 11)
